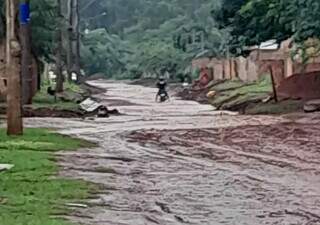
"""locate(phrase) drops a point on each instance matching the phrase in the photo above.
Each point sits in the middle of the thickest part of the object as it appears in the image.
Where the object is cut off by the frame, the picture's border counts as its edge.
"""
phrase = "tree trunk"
(13, 53)
(77, 35)
(74, 37)
(26, 61)
(60, 78)
(70, 38)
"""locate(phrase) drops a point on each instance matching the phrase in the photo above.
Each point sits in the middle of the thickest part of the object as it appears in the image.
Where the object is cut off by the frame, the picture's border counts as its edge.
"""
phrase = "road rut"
(184, 163)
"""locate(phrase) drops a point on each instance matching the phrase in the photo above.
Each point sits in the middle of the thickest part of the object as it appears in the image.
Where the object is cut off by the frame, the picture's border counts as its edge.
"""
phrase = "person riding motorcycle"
(162, 93)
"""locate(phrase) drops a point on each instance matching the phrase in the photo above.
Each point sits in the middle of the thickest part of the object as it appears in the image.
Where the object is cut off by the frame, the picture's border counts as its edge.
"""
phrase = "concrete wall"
(241, 63)
(227, 68)
(311, 67)
(277, 67)
(245, 69)
(258, 63)
(216, 66)
(200, 63)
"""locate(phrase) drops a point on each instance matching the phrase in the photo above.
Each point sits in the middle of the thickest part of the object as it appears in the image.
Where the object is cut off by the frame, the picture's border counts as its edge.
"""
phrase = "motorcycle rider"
(161, 85)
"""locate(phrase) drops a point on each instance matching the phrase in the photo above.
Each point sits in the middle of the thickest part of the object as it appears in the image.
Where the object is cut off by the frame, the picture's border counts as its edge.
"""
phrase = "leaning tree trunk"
(13, 53)
(59, 65)
(26, 61)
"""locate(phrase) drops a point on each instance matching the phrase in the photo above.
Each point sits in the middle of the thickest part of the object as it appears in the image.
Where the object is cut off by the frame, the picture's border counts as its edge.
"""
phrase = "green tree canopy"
(251, 22)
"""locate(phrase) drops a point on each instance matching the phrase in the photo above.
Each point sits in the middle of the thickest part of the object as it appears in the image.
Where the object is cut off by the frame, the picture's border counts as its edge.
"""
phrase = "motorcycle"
(162, 96)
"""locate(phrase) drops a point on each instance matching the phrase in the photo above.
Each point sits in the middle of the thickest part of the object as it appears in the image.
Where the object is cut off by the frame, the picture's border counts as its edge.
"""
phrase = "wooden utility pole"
(70, 38)
(59, 65)
(274, 88)
(26, 58)
(73, 53)
(77, 37)
(13, 53)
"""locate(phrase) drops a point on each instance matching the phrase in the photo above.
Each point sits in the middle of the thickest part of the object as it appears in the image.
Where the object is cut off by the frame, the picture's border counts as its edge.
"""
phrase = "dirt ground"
(180, 162)
(300, 86)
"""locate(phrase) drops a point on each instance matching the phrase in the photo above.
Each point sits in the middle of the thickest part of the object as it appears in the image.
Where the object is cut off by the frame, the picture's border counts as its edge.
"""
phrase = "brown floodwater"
(184, 163)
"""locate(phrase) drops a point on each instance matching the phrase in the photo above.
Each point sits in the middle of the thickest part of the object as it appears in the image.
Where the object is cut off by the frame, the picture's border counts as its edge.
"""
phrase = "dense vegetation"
(251, 22)
(145, 36)
(126, 38)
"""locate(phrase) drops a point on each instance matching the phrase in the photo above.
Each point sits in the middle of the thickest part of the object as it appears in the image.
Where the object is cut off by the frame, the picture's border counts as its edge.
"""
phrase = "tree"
(59, 59)
(304, 18)
(13, 52)
(70, 33)
(77, 37)
(254, 21)
(26, 58)
(141, 28)
(45, 22)
(74, 38)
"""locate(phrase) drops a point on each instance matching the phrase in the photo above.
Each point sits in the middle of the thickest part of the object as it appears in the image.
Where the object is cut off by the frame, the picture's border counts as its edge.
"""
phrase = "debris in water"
(4, 167)
(89, 105)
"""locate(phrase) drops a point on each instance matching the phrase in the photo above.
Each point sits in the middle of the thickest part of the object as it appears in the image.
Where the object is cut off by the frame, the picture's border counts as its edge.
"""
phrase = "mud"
(91, 89)
(46, 112)
(183, 163)
(303, 86)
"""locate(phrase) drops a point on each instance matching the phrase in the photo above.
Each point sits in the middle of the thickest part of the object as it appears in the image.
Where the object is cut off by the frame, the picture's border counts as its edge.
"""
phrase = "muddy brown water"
(183, 163)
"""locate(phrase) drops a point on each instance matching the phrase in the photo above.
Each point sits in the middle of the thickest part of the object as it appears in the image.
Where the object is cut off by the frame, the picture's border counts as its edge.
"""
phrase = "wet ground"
(182, 163)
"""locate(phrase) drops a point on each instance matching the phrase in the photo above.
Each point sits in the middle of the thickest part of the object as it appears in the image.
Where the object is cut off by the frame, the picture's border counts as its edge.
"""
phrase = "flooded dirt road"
(182, 163)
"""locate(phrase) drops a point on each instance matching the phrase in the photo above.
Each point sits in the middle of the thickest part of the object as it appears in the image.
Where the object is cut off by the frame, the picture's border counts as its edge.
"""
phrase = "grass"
(282, 107)
(235, 86)
(235, 92)
(29, 193)
(43, 100)
(73, 88)
(228, 85)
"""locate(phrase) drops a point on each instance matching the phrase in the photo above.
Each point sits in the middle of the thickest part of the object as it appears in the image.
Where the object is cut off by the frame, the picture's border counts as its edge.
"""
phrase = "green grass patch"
(51, 104)
(282, 107)
(43, 100)
(29, 193)
(237, 86)
(228, 85)
(235, 92)
(73, 88)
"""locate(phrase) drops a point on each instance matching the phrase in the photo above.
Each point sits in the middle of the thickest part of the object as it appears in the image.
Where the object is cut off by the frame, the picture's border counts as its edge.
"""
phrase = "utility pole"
(59, 66)
(26, 58)
(13, 53)
(274, 87)
(73, 53)
(78, 38)
(70, 38)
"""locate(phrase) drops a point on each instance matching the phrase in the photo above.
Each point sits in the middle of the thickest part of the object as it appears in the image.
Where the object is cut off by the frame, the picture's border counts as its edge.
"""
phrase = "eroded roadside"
(182, 163)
